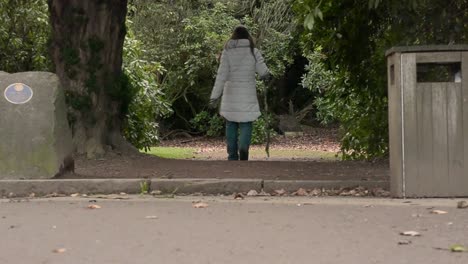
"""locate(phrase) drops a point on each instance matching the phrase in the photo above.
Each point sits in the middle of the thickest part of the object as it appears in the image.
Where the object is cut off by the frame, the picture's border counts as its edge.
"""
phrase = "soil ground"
(214, 165)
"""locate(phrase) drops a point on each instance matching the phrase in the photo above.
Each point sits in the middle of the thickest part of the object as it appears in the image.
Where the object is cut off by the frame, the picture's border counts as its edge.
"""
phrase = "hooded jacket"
(235, 81)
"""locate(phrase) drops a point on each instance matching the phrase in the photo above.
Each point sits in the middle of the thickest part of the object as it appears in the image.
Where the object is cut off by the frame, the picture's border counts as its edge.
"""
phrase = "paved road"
(260, 230)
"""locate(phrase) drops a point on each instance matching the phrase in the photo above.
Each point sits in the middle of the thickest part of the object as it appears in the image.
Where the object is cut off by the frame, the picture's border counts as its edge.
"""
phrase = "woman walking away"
(235, 84)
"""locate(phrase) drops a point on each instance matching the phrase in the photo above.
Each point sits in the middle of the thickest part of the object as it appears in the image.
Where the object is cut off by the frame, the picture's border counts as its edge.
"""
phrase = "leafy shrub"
(259, 130)
(148, 103)
(360, 109)
(208, 124)
(24, 34)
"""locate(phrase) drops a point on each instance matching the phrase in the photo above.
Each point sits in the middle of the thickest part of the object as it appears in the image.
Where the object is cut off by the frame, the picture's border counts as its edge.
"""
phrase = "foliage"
(321, 80)
(356, 98)
(272, 25)
(354, 35)
(186, 37)
(24, 34)
(259, 130)
(208, 124)
(145, 187)
(148, 103)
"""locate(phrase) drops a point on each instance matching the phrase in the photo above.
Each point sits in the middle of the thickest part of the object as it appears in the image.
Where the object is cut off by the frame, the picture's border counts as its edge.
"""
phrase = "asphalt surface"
(254, 230)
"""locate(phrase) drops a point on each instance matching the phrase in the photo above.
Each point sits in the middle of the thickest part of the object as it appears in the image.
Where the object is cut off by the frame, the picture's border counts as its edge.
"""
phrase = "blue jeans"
(238, 137)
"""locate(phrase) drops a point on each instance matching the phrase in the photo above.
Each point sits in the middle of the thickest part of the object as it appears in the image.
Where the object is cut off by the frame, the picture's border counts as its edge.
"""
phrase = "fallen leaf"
(280, 192)
(156, 192)
(301, 192)
(94, 206)
(252, 193)
(410, 233)
(438, 212)
(59, 250)
(458, 248)
(316, 192)
(238, 196)
(151, 217)
(462, 204)
(74, 195)
(404, 242)
(200, 205)
(111, 196)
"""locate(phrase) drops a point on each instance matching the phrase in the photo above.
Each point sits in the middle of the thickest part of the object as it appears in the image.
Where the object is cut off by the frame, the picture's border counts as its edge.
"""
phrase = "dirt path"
(147, 166)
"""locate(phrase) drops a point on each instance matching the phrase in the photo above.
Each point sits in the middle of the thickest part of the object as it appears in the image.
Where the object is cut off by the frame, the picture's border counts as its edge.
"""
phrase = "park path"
(148, 166)
(255, 230)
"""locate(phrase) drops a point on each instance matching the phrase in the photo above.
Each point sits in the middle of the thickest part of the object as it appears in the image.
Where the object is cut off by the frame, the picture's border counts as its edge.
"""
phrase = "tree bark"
(86, 48)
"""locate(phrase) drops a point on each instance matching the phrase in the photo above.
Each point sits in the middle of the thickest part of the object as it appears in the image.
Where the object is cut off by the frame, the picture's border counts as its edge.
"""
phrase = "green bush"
(360, 109)
(208, 124)
(259, 130)
(147, 102)
(24, 36)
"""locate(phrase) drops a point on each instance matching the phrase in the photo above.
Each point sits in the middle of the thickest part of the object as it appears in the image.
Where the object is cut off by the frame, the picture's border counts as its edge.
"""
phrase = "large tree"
(86, 48)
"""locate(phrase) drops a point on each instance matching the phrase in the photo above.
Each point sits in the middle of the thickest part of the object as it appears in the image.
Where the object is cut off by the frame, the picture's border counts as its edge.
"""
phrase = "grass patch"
(256, 153)
(172, 152)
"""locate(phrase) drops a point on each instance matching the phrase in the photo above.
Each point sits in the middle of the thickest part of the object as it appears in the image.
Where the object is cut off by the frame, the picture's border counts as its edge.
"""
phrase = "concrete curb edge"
(23, 188)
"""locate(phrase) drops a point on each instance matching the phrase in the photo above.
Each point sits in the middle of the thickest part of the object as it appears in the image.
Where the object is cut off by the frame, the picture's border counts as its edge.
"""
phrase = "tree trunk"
(87, 46)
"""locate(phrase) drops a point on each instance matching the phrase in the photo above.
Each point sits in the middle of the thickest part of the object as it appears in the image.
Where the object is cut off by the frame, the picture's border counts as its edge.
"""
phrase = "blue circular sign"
(18, 93)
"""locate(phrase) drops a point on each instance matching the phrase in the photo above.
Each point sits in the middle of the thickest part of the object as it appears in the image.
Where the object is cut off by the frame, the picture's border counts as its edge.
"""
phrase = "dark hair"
(241, 32)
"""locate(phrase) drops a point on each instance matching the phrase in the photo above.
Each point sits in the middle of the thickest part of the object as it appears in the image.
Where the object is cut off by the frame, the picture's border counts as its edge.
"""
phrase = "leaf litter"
(438, 212)
(59, 250)
(410, 233)
(94, 206)
(199, 205)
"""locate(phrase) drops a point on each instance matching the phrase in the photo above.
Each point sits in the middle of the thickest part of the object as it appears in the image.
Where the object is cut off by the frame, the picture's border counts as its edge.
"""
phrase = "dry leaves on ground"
(301, 192)
(238, 196)
(156, 192)
(323, 139)
(438, 212)
(404, 242)
(110, 196)
(462, 204)
(410, 233)
(458, 248)
(199, 205)
(59, 250)
(280, 192)
(252, 193)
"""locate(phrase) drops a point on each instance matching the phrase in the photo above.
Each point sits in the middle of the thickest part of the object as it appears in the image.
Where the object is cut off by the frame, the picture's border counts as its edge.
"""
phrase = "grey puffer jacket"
(235, 81)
